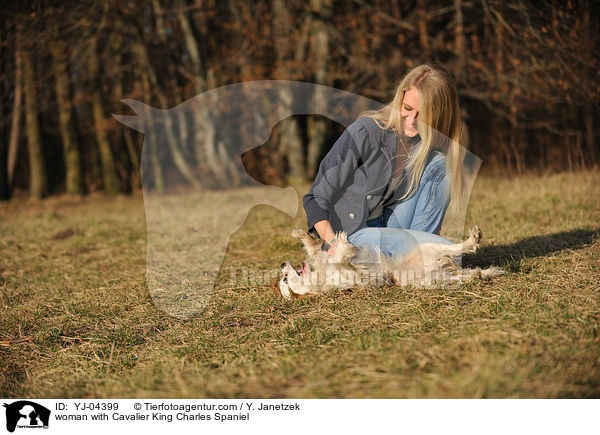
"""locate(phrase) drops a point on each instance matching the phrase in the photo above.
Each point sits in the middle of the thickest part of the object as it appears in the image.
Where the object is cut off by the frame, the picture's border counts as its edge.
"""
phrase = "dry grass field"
(77, 319)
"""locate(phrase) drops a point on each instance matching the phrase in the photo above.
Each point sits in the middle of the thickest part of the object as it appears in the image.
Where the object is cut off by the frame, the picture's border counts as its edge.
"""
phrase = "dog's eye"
(285, 279)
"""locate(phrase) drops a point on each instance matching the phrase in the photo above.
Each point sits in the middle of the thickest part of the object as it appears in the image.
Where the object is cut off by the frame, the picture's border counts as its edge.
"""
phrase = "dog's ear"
(298, 233)
(314, 238)
(274, 287)
(298, 296)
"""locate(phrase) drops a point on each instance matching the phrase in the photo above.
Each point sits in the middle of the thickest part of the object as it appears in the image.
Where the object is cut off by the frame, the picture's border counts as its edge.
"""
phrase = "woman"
(388, 179)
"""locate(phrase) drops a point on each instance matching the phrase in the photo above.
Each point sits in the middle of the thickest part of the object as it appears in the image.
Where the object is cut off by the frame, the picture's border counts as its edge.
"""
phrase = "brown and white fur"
(428, 265)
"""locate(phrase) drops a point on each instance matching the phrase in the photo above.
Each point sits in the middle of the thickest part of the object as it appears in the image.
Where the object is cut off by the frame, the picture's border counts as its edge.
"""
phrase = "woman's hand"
(326, 233)
(331, 250)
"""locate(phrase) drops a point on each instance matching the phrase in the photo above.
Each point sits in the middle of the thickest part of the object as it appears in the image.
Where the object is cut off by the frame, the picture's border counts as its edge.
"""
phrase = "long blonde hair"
(439, 124)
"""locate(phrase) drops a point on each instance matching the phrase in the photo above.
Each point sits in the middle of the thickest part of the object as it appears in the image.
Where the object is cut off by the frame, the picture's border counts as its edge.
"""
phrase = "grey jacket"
(353, 177)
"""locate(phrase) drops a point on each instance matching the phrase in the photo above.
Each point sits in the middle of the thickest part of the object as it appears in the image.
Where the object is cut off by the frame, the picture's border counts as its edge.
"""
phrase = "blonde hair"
(439, 124)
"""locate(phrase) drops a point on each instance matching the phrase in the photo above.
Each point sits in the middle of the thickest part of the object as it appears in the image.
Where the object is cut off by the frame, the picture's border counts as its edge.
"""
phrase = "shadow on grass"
(510, 256)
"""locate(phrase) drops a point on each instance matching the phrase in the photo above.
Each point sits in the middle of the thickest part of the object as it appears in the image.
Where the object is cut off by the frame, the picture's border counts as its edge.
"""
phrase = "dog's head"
(291, 278)
(308, 279)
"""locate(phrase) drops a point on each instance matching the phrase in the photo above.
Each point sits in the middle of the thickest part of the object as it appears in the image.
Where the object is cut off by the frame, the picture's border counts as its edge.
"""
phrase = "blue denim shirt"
(353, 177)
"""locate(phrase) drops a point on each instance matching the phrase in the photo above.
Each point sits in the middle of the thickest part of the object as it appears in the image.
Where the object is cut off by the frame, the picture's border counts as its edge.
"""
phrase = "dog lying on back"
(428, 265)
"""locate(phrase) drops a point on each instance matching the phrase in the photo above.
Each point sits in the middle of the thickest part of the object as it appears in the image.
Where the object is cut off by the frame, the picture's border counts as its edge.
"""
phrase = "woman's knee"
(435, 169)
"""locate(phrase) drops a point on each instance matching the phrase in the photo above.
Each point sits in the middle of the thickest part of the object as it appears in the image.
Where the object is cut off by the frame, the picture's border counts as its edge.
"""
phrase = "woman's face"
(410, 112)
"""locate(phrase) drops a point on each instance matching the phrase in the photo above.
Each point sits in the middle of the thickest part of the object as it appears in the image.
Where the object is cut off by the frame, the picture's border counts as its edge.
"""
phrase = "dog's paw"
(299, 234)
(284, 290)
(475, 234)
(341, 237)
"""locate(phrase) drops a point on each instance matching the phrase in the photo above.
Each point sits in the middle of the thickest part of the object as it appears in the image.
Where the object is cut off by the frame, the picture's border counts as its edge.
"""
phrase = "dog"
(427, 265)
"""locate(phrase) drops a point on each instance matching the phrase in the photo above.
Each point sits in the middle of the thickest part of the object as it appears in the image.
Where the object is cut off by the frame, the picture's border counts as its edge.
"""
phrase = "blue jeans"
(412, 221)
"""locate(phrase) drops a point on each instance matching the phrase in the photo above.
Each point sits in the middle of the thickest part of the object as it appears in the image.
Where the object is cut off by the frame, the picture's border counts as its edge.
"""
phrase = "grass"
(77, 318)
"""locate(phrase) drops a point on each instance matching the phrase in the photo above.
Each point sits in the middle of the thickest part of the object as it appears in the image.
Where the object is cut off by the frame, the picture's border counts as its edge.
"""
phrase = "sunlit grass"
(80, 301)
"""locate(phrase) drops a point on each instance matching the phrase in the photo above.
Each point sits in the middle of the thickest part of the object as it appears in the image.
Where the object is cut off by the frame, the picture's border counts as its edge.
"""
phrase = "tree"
(37, 169)
(74, 182)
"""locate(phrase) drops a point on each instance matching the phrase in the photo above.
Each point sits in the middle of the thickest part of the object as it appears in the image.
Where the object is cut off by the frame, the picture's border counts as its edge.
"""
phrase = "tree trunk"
(15, 127)
(109, 173)
(292, 144)
(4, 189)
(172, 142)
(93, 177)
(209, 148)
(320, 54)
(498, 125)
(158, 16)
(192, 48)
(118, 92)
(240, 40)
(182, 122)
(459, 41)
(422, 27)
(74, 182)
(588, 120)
(588, 110)
(37, 170)
(290, 140)
(151, 140)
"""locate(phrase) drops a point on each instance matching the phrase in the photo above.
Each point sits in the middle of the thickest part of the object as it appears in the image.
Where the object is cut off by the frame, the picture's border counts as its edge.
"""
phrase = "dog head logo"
(196, 190)
(26, 414)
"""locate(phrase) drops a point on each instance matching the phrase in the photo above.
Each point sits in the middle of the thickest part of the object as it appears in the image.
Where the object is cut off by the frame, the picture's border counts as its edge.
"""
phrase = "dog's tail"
(487, 273)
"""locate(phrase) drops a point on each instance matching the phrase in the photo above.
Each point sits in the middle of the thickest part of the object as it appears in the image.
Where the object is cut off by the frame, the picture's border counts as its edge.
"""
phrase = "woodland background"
(527, 74)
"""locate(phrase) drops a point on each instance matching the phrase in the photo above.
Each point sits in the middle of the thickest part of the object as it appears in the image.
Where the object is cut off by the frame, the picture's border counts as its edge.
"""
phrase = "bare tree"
(109, 173)
(117, 71)
(319, 49)
(171, 139)
(211, 152)
(290, 142)
(526, 75)
(74, 182)
(37, 169)
(15, 128)
(459, 40)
